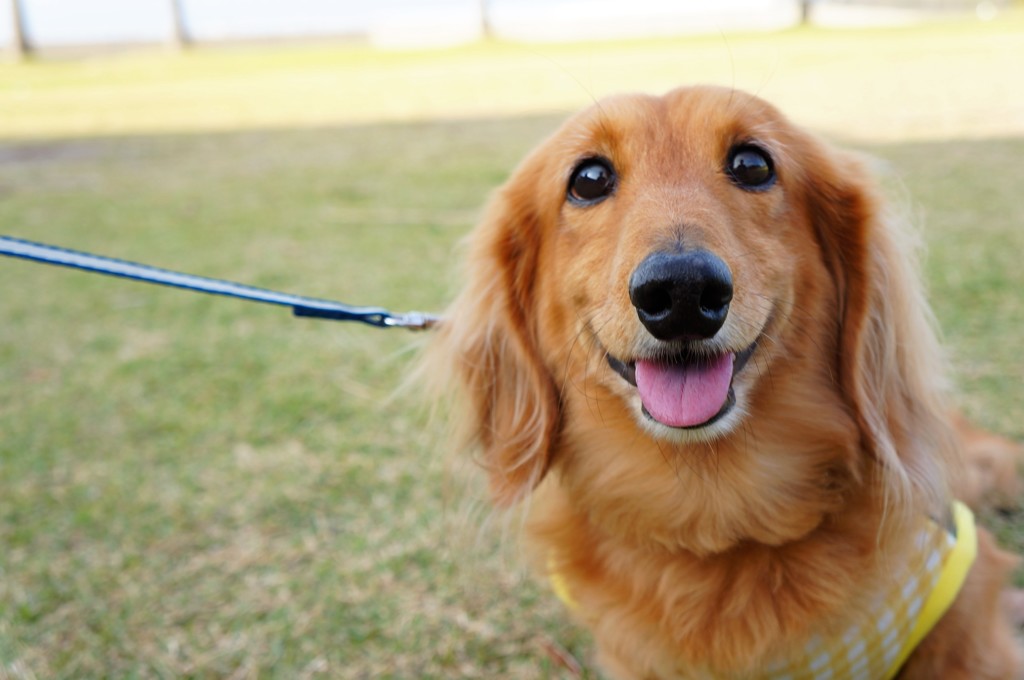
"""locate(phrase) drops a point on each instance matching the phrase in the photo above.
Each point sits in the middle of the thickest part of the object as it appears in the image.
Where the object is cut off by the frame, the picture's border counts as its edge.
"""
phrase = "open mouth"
(687, 390)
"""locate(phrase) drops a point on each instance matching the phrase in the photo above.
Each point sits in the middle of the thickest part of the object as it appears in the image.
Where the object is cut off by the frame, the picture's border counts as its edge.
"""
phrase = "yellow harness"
(896, 619)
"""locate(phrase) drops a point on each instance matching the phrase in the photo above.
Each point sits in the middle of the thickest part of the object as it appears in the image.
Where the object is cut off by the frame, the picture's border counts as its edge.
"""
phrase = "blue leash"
(301, 306)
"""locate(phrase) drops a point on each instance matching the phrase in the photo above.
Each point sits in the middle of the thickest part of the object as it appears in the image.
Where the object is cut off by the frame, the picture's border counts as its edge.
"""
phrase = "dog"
(693, 345)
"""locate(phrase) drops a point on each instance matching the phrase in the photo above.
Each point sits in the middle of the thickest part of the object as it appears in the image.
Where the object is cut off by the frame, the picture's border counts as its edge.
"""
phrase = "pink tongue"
(685, 395)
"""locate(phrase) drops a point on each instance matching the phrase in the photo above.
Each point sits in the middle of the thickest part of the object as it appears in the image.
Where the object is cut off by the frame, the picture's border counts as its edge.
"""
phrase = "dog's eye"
(591, 181)
(751, 168)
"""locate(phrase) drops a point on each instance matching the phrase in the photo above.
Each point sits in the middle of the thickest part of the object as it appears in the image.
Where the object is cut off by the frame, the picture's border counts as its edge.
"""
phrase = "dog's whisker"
(594, 353)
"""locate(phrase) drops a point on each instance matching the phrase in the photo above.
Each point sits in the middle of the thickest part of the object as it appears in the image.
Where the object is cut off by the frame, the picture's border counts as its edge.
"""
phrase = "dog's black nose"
(681, 295)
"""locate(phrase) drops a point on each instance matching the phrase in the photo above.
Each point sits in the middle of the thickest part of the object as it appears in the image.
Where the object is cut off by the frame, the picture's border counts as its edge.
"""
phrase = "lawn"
(193, 486)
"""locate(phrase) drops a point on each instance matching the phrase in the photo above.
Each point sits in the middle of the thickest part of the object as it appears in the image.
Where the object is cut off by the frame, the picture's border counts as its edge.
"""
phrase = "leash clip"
(414, 321)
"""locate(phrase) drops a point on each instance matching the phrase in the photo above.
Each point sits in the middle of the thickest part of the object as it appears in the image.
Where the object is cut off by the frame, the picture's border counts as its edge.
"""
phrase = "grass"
(200, 487)
(939, 79)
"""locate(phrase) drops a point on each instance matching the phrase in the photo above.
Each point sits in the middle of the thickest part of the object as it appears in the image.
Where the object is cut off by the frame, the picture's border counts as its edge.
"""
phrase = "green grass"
(201, 487)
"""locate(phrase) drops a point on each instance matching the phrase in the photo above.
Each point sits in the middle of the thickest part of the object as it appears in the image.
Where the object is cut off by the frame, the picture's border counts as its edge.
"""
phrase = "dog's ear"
(890, 367)
(489, 340)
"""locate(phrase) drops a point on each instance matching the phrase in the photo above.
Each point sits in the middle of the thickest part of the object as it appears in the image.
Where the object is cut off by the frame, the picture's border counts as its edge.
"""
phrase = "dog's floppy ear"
(489, 341)
(890, 366)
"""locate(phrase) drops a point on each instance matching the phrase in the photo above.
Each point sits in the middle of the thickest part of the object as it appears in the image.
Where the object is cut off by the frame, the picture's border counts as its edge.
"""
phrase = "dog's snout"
(681, 295)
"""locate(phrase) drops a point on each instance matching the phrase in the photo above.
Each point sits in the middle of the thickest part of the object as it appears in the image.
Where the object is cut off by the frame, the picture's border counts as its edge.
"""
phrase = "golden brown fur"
(718, 547)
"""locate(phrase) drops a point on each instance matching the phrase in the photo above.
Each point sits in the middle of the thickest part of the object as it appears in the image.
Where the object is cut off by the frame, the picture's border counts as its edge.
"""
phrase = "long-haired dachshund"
(695, 340)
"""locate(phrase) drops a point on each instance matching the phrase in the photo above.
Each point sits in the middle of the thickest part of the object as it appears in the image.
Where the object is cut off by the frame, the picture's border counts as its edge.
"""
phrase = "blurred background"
(199, 487)
(407, 23)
